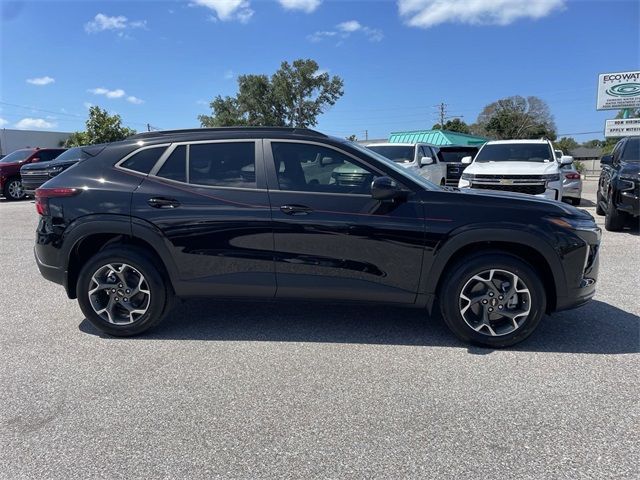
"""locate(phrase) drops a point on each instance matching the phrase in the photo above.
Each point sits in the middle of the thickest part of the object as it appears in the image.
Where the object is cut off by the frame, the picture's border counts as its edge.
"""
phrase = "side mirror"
(466, 160)
(426, 161)
(385, 188)
(566, 160)
(606, 160)
(324, 161)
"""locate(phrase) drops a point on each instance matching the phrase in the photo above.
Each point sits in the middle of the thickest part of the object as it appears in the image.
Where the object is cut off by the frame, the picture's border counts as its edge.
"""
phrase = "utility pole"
(443, 110)
(366, 134)
(148, 127)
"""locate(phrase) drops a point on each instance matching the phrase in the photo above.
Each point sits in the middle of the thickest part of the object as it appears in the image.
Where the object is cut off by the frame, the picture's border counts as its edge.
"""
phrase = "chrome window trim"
(129, 155)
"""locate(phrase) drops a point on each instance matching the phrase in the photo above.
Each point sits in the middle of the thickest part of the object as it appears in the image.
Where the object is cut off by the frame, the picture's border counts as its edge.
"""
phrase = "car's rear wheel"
(492, 299)
(614, 220)
(574, 201)
(122, 293)
(13, 190)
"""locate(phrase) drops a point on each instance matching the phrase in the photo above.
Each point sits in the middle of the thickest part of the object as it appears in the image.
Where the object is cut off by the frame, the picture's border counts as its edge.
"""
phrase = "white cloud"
(46, 80)
(202, 102)
(345, 29)
(3, 122)
(306, 6)
(227, 10)
(102, 22)
(134, 100)
(27, 123)
(117, 93)
(350, 26)
(228, 75)
(428, 13)
(87, 105)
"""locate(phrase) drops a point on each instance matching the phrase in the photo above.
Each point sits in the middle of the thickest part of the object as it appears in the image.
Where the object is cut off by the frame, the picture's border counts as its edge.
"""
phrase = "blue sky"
(161, 62)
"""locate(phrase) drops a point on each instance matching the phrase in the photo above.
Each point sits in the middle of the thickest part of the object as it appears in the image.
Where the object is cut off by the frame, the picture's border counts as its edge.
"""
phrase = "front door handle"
(295, 209)
(163, 202)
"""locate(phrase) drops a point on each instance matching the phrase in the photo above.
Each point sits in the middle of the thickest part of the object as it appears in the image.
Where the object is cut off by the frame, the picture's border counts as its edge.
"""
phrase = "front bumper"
(581, 271)
(550, 191)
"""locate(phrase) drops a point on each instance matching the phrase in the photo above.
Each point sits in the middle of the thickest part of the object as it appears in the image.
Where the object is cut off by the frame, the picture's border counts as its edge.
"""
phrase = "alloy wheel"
(495, 302)
(15, 189)
(119, 293)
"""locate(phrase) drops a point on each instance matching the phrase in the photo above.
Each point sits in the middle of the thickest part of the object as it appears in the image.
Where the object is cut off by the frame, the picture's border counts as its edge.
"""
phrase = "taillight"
(44, 194)
(572, 176)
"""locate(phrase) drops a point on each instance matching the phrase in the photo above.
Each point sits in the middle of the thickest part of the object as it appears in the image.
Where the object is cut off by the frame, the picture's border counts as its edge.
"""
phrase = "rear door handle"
(295, 209)
(163, 202)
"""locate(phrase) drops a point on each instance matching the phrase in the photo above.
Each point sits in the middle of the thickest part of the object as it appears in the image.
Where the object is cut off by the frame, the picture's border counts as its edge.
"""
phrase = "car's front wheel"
(13, 190)
(492, 299)
(599, 209)
(122, 293)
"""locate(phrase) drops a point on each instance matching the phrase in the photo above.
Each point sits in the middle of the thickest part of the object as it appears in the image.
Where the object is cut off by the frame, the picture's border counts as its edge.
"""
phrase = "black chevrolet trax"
(292, 214)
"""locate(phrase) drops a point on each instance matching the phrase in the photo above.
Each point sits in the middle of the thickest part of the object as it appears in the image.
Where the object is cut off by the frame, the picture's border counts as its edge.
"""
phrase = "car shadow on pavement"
(597, 327)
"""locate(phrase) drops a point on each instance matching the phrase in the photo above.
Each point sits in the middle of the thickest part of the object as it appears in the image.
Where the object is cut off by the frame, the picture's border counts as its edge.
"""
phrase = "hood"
(10, 166)
(551, 206)
(49, 164)
(512, 168)
(630, 168)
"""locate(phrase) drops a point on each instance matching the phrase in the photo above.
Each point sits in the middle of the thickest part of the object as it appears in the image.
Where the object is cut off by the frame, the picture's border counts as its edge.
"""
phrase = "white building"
(11, 140)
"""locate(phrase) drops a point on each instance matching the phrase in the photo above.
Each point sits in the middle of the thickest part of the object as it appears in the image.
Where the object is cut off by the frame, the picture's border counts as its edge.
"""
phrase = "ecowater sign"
(618, 90)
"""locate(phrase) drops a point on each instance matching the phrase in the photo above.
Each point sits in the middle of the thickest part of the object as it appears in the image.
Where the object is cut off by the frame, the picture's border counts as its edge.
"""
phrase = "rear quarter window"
(143, 160)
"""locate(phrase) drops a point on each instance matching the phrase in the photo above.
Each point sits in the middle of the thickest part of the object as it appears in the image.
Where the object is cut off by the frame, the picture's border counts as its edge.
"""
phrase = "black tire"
(158, 304)
(599, 209)
(13, 189)
(574, 201)
(614, 220)
(462, 274)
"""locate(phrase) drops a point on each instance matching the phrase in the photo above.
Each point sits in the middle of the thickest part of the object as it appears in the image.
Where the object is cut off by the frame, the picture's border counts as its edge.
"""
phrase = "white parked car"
(524, 166)
(419, 157)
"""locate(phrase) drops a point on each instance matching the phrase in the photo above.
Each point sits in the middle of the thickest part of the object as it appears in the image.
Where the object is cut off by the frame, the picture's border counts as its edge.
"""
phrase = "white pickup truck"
(524, 166)
(422, 158)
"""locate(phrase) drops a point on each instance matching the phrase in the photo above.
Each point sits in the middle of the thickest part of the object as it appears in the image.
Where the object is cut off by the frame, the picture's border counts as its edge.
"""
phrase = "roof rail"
(186, 131)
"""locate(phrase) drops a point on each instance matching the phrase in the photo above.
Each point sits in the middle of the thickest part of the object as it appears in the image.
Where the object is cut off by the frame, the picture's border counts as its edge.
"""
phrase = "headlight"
(467, 176)
(627, 182)
(53, 171)
(585, 224)
(554, 177)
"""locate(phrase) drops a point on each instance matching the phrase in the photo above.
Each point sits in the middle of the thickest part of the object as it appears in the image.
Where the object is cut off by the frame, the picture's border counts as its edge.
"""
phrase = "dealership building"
(437, 137)
(11, 139)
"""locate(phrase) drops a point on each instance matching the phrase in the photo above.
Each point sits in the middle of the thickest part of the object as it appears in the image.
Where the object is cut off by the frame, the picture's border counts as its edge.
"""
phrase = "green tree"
(295, 95)
(595, 143)
(454, 125)
(566, 144)
(100, 128)
(516, 117)
(352, 138)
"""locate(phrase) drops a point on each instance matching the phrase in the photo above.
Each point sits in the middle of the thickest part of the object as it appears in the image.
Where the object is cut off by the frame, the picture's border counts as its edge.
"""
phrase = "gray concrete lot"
(296, 391)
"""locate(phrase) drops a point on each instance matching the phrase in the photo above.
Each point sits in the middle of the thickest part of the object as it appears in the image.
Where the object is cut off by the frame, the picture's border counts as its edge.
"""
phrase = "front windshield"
(632, 150)
(406, 172)
(397, 153)
(515, 152)
(16, 156)
(72, 154)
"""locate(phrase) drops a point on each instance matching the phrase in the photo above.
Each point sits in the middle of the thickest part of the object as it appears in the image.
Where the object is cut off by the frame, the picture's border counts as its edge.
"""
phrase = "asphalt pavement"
(254, 390)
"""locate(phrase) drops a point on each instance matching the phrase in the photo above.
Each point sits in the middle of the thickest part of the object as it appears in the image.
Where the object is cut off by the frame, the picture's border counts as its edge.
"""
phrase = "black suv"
(618, 196)
(35, 174)
(260, 213)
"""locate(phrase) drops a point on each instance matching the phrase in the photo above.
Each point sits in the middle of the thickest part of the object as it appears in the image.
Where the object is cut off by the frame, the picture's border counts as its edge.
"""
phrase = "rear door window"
(175, 167)
(223, 164)
(144, 160)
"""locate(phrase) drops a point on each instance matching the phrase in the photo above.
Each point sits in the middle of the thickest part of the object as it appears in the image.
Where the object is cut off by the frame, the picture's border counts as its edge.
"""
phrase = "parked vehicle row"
(10, 179)
(292, 214)
(33, 175)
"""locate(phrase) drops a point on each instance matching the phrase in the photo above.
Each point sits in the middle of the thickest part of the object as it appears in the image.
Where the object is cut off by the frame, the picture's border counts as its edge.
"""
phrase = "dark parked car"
(10, 180)
(35, 174)
(618, 196)
(244, 213)
(451, 156)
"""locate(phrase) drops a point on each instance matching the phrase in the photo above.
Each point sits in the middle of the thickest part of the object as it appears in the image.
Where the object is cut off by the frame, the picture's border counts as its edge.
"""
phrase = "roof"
(583, 152)
(436, 137)
(227, 130)
(499, 142)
